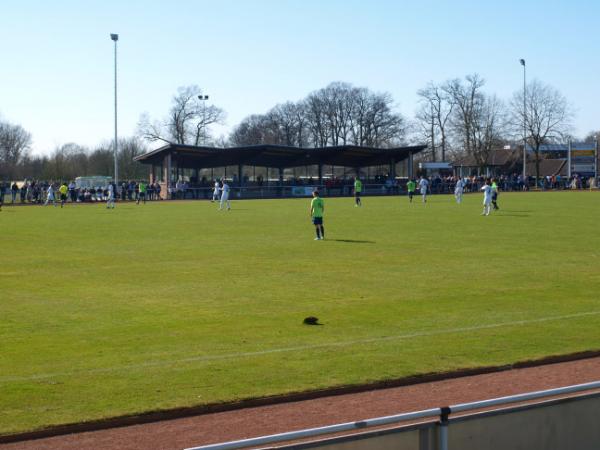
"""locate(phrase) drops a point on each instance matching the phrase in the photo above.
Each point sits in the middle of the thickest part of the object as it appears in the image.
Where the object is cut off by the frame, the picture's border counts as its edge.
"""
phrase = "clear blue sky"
(56, 76)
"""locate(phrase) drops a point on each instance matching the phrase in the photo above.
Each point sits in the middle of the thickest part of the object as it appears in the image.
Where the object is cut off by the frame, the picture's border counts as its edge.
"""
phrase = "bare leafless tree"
(547, 117)
(487, 128)
(66, 162)
(433, 116)
(465, 97)
(386, 127)
(316, 120)
(358, 119)
(250, 131)
(188, 121)
(101, 160)
(592, 137)
(129, 169)
(15, 143)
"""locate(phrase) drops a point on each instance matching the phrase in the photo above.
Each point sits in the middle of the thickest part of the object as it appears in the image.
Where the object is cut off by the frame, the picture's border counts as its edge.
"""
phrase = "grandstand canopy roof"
(278, 156)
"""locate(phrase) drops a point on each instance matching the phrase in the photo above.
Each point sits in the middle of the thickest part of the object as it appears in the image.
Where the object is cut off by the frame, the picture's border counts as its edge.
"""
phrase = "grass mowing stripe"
(298, 348)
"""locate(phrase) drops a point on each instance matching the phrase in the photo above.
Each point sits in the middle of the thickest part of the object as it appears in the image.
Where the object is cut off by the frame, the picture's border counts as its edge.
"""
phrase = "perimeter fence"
(545, 420)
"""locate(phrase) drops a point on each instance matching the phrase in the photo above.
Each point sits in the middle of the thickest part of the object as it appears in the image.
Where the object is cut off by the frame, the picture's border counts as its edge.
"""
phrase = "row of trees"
(339, 114)
(67, 161)
(336, 115)
(460, 118)
(455, 118)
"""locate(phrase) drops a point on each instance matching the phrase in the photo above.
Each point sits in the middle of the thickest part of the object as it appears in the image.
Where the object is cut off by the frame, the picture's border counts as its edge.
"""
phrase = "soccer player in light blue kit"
(216, 191)
(487, 198)
(50, 196)
(110, 203)
(459, 189)
(225, 196)
(423, 185)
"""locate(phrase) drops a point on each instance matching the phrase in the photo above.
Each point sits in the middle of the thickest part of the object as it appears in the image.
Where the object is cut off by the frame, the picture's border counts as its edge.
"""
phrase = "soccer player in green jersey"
(317, 207)
(495, 194)
(410, 187)
(142, 193)
(357, 191)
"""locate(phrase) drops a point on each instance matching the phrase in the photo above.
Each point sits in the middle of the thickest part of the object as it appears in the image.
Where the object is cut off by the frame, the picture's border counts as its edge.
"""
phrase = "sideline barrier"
(310, 432)
(443, 413)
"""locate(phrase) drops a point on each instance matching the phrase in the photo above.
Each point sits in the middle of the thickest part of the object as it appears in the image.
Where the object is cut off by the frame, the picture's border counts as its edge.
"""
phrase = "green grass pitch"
(105, 313)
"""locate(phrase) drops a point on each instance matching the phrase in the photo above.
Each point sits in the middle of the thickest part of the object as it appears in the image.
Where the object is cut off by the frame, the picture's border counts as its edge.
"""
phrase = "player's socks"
(318, 233)
(322, 232)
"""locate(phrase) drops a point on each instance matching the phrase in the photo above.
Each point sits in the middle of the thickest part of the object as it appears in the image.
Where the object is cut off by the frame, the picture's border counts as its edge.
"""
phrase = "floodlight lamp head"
(114, 37)
(522, 62)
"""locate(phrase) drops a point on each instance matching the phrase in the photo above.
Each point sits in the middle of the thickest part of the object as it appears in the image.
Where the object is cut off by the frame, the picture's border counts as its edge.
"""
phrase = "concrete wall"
(556, 426)
(565, 424)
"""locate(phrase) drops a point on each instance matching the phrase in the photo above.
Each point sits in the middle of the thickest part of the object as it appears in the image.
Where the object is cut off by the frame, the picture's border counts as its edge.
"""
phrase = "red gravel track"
(263, 420)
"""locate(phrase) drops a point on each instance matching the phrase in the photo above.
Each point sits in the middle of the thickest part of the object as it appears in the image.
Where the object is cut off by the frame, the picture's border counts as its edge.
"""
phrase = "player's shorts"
(317, 221)
(63, 197)
(411, 193)
(494, 196)
(356, 194)
(142, 194)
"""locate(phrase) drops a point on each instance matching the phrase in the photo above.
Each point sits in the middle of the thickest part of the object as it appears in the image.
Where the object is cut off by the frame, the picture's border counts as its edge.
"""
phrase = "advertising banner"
(302, 191)
(583, 159)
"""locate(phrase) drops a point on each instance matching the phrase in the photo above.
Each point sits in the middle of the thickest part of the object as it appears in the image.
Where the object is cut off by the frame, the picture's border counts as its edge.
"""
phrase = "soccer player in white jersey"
(487, 198)
(50, 196)
(216, 190)
(459, 190)
(110, 203)
(423, 185)
(225, 196)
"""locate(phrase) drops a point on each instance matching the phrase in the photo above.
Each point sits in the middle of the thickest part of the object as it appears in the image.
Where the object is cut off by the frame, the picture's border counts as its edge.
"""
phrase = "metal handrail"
(310, 432)
(442, 412)
(524, 397)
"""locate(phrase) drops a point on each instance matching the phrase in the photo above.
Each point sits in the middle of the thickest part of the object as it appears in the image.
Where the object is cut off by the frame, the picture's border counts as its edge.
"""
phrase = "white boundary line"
(209, 358)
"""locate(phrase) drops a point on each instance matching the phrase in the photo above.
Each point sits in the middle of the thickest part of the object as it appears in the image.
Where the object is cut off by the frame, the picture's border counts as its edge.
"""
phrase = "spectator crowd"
(35, 192)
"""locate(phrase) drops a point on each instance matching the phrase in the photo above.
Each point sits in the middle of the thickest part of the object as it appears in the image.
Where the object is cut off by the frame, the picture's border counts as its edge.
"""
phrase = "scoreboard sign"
(583, 159)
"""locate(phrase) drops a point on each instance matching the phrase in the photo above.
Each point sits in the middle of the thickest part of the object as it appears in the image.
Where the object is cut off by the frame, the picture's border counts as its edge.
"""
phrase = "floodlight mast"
(203, 99)
(115, 37)
(524, 122)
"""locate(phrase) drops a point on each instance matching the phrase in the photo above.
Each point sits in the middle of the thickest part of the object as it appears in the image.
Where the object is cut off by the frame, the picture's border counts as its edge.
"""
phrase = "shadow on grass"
(516, 211)
(352, 241)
